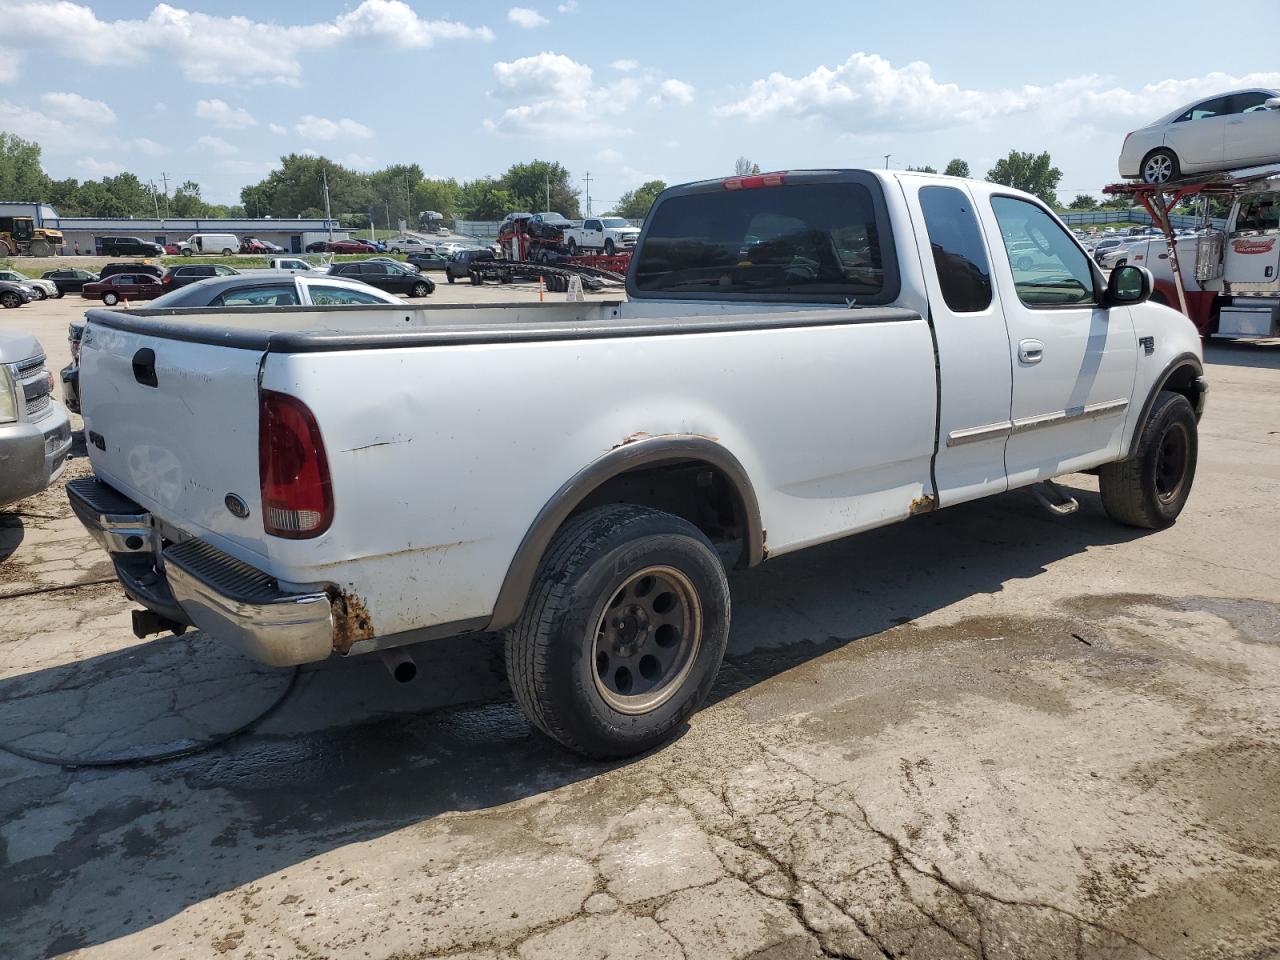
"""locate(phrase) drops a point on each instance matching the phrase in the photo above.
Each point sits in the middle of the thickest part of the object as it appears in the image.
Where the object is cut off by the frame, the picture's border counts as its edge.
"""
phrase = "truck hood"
(15, 346)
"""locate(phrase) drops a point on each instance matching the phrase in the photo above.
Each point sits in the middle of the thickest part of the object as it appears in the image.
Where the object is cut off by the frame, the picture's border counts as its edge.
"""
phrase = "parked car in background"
(1102, 246)
(186, 274)
(407, 244)
(1226, 132)
(111, 269)
(273, 247)
(40, 287)
(250, 245)
(262, 290)
(69, 280)
(340, 246)
(35, 432)
(289, 265)
(378, 245)
(123, 286)
(14, 294)
(459, 265)
(129, 247)
(428, 261)
(392, 277)
(220, 244)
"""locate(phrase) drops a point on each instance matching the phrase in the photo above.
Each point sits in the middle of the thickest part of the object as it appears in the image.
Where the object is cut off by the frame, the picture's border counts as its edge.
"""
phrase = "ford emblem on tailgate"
(235, 503)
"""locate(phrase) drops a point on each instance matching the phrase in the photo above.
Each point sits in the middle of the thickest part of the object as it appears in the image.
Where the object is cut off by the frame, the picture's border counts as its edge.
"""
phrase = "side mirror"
(1129, 285)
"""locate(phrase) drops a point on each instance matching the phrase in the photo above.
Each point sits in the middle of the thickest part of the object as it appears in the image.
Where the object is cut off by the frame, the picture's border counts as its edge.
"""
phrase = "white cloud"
(359, 161)
(53, 134)
(569, 6)
(10, 60)
(222, 114)
(218, 49)
(322, 128)
(72, 106)
(527, 18)
(609, 155)
(97, 169)
(218, 146)
(148, 148)
(554, 95)
(673, 91)
(626, 66)
(278, 129)
(869, 95)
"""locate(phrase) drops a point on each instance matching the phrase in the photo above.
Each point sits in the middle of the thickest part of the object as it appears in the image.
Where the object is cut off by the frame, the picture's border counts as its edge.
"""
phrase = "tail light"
(297, 496)
(755, 181)
(166, 280)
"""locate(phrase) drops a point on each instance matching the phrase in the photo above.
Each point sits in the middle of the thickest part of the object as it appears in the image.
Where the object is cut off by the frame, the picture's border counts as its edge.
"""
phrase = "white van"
(210, 243)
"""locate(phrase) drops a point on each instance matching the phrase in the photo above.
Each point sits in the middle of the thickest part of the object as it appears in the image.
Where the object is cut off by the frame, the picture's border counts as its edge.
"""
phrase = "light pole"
(886, 160)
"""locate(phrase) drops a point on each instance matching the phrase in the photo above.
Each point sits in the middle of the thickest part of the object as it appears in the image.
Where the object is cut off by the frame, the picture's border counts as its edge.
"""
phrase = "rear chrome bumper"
(196, 584)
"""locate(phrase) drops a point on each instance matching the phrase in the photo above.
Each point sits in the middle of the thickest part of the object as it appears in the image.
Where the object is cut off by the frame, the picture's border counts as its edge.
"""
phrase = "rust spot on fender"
(922, 505)
(351, 620)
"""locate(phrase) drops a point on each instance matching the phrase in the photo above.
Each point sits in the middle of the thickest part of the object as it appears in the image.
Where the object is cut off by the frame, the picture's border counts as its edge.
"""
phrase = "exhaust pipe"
(400, 664)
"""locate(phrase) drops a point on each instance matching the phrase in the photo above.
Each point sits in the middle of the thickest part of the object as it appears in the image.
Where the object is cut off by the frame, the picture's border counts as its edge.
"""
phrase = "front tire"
(609, 248)
(623, 632)
(113, 252)
(1150, 488)
(419, 290)
(110, 299)
(1160, 166)
(9, 300)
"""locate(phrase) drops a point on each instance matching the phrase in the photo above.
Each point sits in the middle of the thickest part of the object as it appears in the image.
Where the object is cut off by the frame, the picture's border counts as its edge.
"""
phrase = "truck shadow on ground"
(351, 756)
(11, 534)
(1263, 356)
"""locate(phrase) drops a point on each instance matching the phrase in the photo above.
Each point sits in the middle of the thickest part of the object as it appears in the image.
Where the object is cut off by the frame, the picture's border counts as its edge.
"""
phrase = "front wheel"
(623, 632)
(609, 248)
(419, 290)
(113, 252)
(9, 300)
(449, 276)
(110, 299)
(39, 293)
(1151, 487)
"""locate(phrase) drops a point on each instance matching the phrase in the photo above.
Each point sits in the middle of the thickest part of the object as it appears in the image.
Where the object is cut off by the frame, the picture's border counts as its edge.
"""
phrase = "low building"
(293, 233)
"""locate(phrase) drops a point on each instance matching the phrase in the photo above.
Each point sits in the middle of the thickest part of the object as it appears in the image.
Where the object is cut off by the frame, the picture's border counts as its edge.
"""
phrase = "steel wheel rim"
(1158, 169)
(1173, 457)
(646, 640)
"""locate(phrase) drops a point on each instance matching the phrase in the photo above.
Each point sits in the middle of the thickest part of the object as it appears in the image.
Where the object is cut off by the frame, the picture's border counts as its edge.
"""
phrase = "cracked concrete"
(986, 733)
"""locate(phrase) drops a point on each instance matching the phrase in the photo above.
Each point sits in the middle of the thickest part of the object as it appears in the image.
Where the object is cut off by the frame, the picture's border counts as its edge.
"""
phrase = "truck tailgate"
(174, 425)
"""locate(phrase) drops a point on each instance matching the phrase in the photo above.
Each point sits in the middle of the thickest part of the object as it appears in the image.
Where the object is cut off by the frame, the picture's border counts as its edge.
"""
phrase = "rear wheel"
(113, 252)
(609, 247)
(226, 251)
(448, 276)
(1160, 166)
(40, 248)
(573, 247)
(1151, 487)
(110, 299)
(623, 633)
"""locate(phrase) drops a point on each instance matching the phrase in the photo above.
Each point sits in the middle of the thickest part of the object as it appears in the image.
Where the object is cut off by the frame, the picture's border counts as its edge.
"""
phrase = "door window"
(331, 296)
(959, 254)
(1052, 271)
(1249, 102)
(1210, 108)
(284, 295)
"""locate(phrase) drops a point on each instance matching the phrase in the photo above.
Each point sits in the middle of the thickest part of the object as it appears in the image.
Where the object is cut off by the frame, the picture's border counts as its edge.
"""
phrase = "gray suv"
(35, 431)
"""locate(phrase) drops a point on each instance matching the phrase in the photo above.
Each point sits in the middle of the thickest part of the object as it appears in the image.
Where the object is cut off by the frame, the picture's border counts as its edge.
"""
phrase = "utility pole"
(587, 181)
(328, 217)
(886, 160)
(548, 191)
(155, 197)
(165, 177)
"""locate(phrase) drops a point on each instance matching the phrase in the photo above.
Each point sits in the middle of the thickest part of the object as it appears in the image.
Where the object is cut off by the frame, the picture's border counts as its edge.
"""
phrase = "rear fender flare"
(650, 452)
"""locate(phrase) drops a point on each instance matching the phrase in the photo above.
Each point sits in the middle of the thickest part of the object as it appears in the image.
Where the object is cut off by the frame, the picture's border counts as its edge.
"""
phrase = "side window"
(221, 271)
(1249, 102)
(283, 295)
(332, 296)
(1048, 268)
(959, 254)
(1210, 108)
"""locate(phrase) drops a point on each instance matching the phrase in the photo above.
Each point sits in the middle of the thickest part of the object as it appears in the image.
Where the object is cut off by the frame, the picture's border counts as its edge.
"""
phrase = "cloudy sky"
(627, 92)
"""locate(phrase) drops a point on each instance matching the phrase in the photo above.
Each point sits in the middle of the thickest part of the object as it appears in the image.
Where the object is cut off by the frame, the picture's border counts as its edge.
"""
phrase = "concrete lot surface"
(987, 733)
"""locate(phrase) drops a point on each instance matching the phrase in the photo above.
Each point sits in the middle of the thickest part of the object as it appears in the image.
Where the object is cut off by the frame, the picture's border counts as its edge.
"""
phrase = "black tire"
(1160, 166)
(4, 249)
(39, 293)
(475, 279)
(609, 247)
(396, 250)
(419, 290)
(573, 247)
(110, 299)
(226, 251)
(59, 294)
(449, 276)
(186, 251)
(1150, 488)
(9, 300)
(552, 651)
(113, 252)
(1119, 263)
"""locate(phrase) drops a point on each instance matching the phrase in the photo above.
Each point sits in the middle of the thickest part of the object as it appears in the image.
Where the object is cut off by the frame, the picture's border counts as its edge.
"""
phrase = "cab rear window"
(799, 241)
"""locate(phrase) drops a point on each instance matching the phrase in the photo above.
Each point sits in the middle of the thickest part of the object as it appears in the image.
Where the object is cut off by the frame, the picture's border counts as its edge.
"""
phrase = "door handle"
(1030, 351)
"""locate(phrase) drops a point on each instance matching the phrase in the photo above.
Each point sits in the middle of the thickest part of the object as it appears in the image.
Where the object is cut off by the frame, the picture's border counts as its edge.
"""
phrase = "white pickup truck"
(801, 357)
(609, 234)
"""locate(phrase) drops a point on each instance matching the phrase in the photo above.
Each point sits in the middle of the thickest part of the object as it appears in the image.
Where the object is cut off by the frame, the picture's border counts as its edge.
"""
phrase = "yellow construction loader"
(19, 236)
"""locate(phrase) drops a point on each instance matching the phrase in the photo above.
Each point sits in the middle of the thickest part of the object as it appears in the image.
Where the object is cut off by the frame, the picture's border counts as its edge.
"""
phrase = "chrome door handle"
(1030, 351)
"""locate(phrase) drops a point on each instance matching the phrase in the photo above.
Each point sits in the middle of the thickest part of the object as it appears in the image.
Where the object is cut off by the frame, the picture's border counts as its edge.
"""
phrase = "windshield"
(805, 238)
(614, 222)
